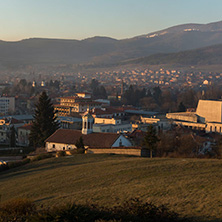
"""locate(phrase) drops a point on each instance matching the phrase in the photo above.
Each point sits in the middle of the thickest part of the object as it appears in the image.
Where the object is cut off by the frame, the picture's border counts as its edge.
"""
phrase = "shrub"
(18, 163)
(16, 210)
(132, 210)
(60, 153)
(80, 151)
(42, 156)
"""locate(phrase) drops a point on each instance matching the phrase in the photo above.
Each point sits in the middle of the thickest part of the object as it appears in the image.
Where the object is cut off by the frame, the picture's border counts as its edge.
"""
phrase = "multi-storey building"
(7, 105)
(75, 104)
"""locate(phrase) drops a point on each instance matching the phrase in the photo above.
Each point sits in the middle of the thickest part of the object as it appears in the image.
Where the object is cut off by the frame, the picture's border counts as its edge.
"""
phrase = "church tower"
(87, 123)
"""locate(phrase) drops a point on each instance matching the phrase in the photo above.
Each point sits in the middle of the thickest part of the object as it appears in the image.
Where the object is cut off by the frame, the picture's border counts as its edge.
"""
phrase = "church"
(65, 139)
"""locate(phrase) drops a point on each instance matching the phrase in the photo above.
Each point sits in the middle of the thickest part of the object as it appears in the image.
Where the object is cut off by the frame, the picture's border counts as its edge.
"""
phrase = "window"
(63, 148)
(120, 143)
(53, 145)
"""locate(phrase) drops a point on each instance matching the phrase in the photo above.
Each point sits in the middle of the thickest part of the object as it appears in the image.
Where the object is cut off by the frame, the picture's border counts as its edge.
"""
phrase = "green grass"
(190, 187)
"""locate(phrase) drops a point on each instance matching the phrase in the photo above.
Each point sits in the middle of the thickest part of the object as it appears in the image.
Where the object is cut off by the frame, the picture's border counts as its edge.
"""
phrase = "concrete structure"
(5, 128)
(210, 111)
(68, 122)
(161, 123)
(87, 123)
(75, 104)
(213, 127)
(84, 95)
(112, 128)
(124, 151)
(108, 112)
(208, 117)
(111, 125)
(23, 135)
(184, 116)
(7, 105)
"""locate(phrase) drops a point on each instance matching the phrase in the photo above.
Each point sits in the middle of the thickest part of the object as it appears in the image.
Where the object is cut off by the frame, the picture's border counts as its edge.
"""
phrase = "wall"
(214, 127)
(106, 121)
(210, 110)
(58, 146)
(23, 137)
(190, 117)
(135, 152)
(122, 141)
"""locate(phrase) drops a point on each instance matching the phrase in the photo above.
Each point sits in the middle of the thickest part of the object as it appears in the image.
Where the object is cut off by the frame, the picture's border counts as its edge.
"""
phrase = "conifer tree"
(12, 136)
(79, 143)
(45, 122)
(150, 140)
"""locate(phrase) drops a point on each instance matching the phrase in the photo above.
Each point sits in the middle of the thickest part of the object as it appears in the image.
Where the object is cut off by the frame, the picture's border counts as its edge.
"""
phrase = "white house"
(65, 139)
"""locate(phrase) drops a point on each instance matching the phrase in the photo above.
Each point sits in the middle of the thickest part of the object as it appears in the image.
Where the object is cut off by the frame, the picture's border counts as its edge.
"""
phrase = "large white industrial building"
(208, 117)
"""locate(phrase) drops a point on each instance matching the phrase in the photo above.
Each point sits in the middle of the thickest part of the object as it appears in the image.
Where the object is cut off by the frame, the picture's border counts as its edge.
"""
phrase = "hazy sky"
(79, 19)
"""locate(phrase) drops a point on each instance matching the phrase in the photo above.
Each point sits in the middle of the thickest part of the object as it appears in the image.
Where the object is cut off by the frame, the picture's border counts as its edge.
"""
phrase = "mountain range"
(105, 50)
(211, 55)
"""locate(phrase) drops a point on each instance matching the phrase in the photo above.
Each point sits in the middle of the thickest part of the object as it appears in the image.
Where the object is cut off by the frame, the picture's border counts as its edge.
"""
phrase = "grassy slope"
(190, 187)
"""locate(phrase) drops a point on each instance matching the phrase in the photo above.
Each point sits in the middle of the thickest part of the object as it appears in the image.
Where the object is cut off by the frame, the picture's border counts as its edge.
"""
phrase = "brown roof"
(69, 136)
(26, 126)
(107, 110)
(137, 134)
(12, 120)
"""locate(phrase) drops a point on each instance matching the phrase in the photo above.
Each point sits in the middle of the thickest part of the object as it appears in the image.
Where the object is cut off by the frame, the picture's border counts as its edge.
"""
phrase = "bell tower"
(87, 123)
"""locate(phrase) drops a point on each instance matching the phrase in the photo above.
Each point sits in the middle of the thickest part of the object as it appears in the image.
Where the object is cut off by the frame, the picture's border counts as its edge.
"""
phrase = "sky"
(80, 19)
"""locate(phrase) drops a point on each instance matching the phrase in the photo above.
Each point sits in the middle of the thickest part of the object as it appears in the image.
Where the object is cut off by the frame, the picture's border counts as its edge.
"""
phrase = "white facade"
(51, 147)
(122, 141)
(162, 124)
(87, 124)
(107, 121)
(214, 127)
(210, 110)
(84, 95)
(112, 128)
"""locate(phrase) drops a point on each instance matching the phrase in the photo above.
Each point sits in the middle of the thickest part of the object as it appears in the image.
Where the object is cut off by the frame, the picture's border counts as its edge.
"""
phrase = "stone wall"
(134, 152)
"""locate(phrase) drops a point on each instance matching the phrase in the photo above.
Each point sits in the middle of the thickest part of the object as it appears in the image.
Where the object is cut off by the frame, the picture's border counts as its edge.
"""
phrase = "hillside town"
(106, 128)
(110, 111)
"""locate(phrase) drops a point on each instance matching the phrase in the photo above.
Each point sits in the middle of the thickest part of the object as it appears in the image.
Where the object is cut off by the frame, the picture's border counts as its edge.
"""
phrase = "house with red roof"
(65, 139)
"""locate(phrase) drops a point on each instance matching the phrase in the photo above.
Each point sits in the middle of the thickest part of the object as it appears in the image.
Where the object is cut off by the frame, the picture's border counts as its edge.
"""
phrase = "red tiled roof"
(26, 126)
(69, 136)
(137, 133)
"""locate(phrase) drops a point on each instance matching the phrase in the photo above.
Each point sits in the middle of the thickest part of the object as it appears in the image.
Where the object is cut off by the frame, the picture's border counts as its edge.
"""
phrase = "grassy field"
(190, 187)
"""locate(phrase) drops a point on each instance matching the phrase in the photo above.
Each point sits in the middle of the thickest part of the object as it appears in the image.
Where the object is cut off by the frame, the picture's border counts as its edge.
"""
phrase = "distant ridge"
(211, 55)
(105, 50)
